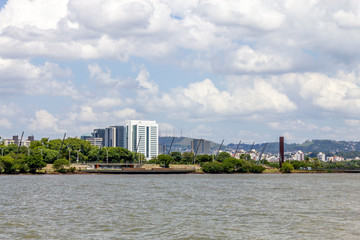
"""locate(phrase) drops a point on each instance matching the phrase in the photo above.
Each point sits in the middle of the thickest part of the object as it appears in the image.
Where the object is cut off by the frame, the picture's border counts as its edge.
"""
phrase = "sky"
(233, 70)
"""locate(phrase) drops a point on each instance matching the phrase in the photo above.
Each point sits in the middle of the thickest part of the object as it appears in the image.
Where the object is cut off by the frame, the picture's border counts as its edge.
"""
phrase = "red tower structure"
(281, 151)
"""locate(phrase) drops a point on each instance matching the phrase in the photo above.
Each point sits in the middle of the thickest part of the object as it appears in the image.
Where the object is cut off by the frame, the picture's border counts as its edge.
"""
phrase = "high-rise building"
(99, 133)
(115, 136)
(299, 155)
(201, 146)
(143, 137)
(321, 156)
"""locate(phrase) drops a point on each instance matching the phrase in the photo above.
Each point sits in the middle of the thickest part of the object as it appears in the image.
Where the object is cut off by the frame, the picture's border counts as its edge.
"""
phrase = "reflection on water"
(246, 206)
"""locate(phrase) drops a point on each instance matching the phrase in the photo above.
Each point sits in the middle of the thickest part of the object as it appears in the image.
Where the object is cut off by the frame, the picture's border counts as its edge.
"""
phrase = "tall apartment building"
(299, 155)
(202, 146)
(99, 133)
(143, 137)
(115, 136)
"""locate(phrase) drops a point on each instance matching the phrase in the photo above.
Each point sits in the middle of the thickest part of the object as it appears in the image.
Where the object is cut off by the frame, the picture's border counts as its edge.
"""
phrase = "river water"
(241, 206)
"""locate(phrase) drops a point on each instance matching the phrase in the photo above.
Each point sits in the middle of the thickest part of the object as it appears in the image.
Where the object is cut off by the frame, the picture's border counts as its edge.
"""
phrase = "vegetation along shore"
(45, 156)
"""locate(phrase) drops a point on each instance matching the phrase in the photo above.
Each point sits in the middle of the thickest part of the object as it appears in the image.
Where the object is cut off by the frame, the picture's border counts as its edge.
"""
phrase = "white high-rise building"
(299, 155)
(144, 134)
(321, 156)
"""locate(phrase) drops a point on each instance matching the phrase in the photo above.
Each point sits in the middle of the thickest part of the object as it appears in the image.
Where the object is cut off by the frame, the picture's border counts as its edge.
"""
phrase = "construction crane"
(262, 152)
(171, 145)
(219, 149)
(197, 148)
(237, 148)
(61, 145)
(20, 142)
(137, 148)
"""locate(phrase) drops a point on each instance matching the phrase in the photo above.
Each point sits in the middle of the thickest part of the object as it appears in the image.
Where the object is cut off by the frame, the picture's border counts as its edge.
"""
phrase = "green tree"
(212, 167)
(164, 159)
(257, 169)
(59, 165)
(176, 156)
(125, 155)
(34, 162)
(8, 164)
(35, 144)
(245, 156)
(204, 158)
(222, 156)
(239, 165)
(49, 156)
(286, 167)
(187, 157)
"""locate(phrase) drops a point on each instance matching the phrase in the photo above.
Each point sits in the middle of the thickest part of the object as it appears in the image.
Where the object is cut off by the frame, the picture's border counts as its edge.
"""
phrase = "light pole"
(2, 152)
(69, 154)
(77, 157)
(107, 155)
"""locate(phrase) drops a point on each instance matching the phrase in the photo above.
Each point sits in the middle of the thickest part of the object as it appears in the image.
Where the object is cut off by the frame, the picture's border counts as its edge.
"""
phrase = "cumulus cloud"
(18, 77)
(204, 99)
(340, 92)
(44, 122)
(257, 36)
(5, 123)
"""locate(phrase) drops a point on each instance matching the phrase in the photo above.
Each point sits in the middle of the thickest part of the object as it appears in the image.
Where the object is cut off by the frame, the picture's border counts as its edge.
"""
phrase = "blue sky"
(233, 70)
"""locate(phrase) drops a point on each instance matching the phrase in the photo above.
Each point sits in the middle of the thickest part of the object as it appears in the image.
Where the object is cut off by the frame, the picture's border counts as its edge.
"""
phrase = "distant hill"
(182, 142)
(329, 147)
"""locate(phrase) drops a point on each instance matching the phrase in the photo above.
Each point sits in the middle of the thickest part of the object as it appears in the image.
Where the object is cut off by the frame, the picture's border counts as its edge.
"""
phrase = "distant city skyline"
(232, 70)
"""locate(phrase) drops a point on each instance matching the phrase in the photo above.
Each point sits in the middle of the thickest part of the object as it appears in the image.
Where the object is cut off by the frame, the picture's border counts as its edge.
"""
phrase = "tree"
(35, 144)
(187, 157)
(222, 156)
(212, 167)
(8, 164)
(238, 165)
(125, 155)
(286, 167)
(176, 156)
(49, 156)
(59, 165)
(204, 158)
(165, 160)
(34, 162)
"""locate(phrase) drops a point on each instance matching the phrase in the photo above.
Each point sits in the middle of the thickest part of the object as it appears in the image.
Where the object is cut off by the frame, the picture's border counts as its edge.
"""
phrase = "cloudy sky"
(233, 70)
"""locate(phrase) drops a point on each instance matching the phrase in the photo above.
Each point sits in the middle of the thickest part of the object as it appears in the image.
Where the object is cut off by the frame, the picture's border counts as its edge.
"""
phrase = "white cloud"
(44, 122)
(204, 99)
(339, 93)
(247, 60)
(5, 123)
(144, 82)
(295, 125)
(250, 14)
(41, 14)
(18, 77)
(127, 113)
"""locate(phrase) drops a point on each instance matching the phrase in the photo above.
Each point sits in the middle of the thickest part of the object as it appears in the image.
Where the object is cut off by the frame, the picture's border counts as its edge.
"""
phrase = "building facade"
(115, 136)
(299, 155)
(143, 137)
(201, 146)
(321, 156)
(99, 133)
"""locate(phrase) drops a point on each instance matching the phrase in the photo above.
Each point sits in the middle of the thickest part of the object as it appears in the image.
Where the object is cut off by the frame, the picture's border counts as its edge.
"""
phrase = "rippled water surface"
(247, 206)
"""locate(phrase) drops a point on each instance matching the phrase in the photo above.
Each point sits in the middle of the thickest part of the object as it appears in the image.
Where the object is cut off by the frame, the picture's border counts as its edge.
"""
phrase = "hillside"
(329, 147)
(182, 142)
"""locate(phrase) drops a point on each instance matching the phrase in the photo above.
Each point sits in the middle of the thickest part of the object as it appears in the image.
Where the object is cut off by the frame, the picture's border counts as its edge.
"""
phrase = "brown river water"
(239, 206)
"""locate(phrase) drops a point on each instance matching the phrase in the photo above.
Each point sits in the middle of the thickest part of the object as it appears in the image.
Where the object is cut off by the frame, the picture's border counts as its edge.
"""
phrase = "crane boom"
(61, 145)
(219, 149)
(171, 145)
